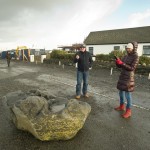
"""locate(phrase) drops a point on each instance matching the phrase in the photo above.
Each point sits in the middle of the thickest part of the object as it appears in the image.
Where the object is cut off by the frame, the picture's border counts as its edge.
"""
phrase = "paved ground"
(104, 129)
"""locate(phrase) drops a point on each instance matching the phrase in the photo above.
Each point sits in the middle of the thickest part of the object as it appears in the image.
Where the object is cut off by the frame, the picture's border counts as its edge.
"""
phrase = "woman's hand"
(119, 62)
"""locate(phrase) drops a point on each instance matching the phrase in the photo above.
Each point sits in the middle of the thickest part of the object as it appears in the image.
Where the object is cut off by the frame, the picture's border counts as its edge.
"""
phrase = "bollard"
(111, 71)
(63, 66)
(59, 63)
(94, 58)
(42, 58)
(76, 65)
(31, 58)
(149, 76)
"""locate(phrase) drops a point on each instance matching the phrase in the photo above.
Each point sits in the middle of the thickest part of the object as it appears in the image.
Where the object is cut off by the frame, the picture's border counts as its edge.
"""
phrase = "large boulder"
(48, 118)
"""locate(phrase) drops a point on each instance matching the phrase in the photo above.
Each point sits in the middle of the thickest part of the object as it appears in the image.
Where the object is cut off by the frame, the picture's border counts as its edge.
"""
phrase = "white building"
(103, 42)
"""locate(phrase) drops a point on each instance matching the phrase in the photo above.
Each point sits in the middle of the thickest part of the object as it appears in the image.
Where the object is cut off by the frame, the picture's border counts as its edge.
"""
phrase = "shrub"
(110, 56)
(144, 59)
(102, 57)
(117, 53)
(63, 55)
(58, 54)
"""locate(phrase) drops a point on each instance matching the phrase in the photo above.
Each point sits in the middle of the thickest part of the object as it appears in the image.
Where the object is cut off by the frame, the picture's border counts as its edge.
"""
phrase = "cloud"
(83, 21)
(140, 18)
(48, 23)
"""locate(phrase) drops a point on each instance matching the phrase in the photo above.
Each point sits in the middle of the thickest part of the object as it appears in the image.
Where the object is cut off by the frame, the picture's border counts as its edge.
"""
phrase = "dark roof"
(119, 36)
(65, 47)
(74, 46)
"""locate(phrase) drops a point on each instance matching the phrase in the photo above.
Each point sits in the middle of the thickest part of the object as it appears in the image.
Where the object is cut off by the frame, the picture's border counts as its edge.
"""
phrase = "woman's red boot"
(127, 114)
(120, 108)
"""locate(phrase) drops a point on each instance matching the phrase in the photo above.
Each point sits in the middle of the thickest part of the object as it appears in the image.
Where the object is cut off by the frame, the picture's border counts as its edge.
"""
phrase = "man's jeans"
(128, 96)
(82, 76)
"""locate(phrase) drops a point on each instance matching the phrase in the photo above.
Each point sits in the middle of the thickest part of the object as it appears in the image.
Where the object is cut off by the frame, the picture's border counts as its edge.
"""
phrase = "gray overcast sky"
(49, 23)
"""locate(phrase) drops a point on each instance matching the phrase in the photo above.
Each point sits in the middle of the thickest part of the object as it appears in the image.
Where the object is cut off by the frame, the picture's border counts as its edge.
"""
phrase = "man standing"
(84, 62)
(8, 57)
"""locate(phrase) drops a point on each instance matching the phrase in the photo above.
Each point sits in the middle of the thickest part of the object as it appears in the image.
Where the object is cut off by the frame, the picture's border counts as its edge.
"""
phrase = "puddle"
(28, 82)
(11, 72)
(48, 78)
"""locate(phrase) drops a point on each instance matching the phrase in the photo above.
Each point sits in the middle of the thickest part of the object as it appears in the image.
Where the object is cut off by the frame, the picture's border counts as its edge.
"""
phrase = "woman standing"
(126, 82)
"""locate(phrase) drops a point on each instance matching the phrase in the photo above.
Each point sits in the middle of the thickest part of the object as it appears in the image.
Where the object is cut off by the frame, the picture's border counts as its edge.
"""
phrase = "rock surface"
(46, 117)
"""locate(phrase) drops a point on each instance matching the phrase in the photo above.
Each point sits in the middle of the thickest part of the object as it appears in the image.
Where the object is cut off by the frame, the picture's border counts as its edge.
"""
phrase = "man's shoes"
(77, 96)
(86, 95)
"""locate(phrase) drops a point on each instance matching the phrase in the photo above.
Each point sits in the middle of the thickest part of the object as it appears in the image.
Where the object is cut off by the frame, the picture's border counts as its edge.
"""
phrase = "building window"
(146, 50)
(116, 47)
(91, 50)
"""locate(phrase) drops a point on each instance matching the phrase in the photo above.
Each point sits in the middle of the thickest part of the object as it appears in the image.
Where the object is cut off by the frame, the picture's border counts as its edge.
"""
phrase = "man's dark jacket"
(84, 61)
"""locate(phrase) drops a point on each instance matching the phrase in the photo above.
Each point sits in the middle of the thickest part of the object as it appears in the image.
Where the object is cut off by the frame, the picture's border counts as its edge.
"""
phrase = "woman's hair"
(135, 46)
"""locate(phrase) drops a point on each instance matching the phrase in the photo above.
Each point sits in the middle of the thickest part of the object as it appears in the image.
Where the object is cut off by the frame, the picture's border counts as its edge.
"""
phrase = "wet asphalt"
(104, 129)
